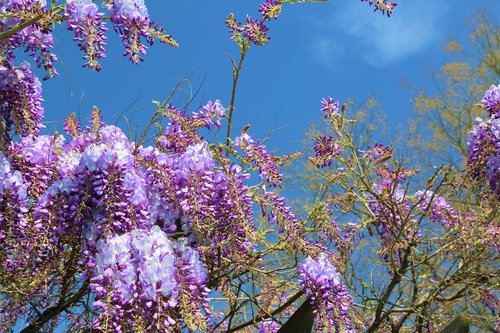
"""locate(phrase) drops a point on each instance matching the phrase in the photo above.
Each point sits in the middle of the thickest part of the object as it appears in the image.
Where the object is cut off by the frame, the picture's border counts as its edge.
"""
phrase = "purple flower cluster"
(330, 298)
(379, 153)
(131, 21)
(182, 131)
(257, 154)
(86, 22)
(437, 208)
(484, 143)
(326, 149)
(330, 108)
(142, 278)
(254, 30)
(383, 6)
(269, 326)
(13, 200)
(98, 192)
(391, 209)
(491, 100)
(270, 9)
(20, 101)
(36, 39)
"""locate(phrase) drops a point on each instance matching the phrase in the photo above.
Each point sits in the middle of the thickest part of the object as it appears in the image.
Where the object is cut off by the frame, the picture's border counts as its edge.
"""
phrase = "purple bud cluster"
(254, 30)
(270, 9)
(484, 143)
(142, 278)
(257, 154)
(330, 298)
(326, 149)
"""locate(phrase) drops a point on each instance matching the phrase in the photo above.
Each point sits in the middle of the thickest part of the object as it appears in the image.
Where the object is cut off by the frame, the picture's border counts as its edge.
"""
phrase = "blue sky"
(340, 49)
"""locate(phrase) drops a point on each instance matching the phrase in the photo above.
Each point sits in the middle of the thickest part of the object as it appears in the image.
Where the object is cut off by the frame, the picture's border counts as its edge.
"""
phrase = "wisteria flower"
(270, 9)
(330, 298)
(87, 24)
(491, 100)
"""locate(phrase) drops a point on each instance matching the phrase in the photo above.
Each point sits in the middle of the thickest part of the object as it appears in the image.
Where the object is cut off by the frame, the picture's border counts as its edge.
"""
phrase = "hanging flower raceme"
(257, 154)
(20, 101)
(330, 298)
(131, 20)
(144, 280)
(13, 201)
(36, 39)
(86, 22)
(484, 143)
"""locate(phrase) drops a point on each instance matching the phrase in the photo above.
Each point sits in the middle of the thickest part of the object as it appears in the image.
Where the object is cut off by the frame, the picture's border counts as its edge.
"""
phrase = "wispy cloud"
(381, 41)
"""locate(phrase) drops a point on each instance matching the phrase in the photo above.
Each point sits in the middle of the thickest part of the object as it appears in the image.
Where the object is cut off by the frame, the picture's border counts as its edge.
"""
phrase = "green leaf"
(301, 321)
(458, 325)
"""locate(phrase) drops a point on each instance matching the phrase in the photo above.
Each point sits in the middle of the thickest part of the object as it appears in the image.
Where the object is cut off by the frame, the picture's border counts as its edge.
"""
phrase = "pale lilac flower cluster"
(257, 154)
(269, 326)
(35, 159)
(383, 6)
(131, 21)
(326, 149)
(491, 100)
(437, 208)
(330, 298)
(484, 143)
(88, 26)
(139, 276)
(13, 200)
(20, 101)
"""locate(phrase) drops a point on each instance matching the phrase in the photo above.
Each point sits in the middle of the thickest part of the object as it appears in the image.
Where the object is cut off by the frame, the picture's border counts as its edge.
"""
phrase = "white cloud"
(327, 50)
(381, 41)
